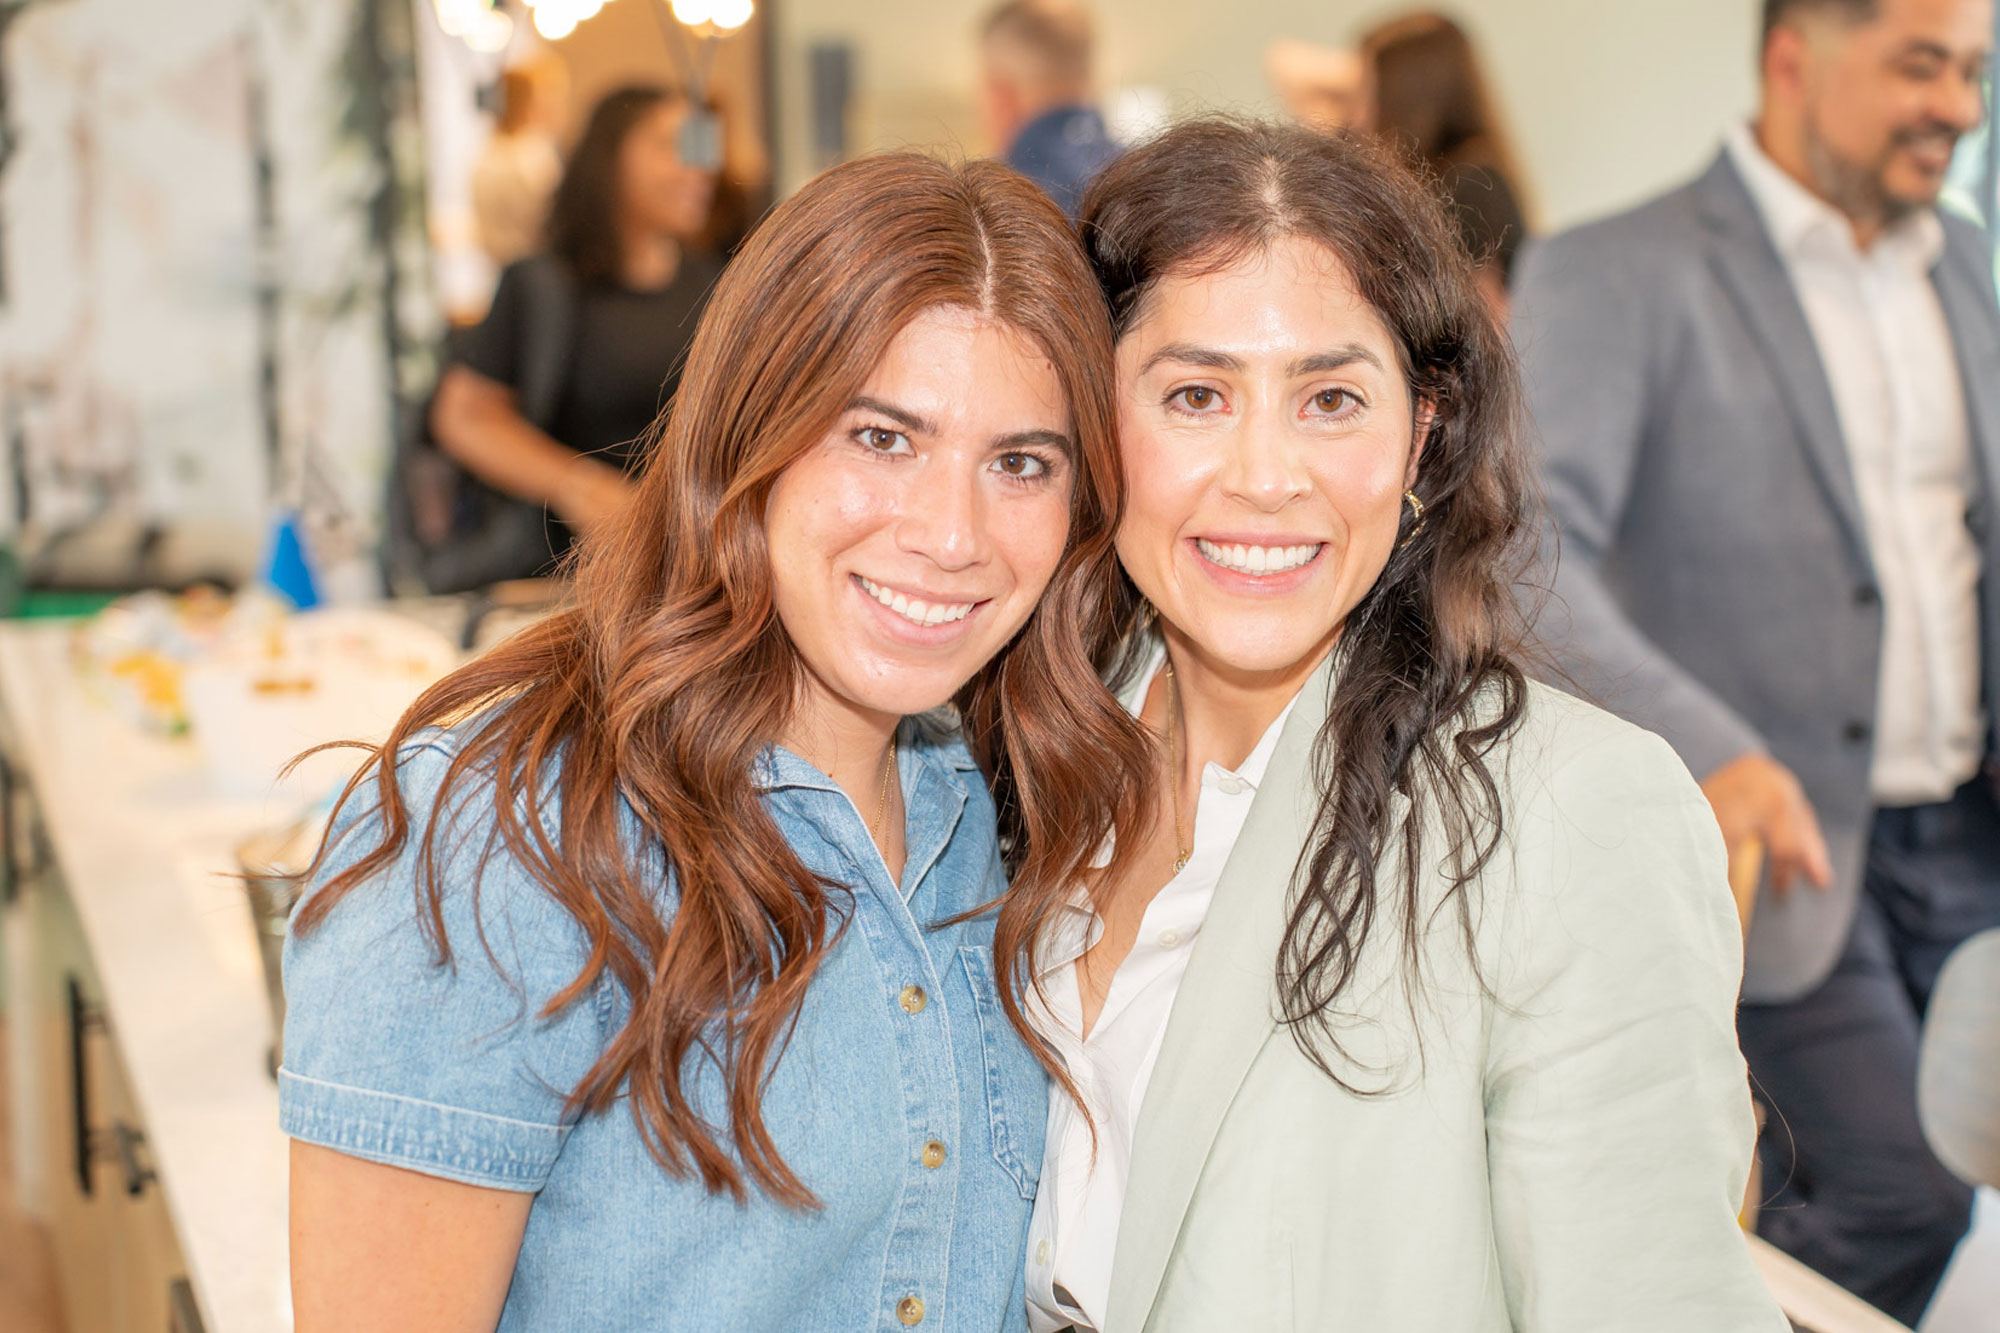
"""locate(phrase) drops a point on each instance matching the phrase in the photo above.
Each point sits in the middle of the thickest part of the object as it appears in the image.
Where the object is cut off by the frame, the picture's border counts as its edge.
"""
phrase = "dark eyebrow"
(1190, 355)
(903, 417)
(1338, 359)
(1926, 49)
(1055, 439)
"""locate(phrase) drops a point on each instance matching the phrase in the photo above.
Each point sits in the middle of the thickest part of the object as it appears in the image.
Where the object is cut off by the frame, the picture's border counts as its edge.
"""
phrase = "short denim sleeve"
(445, 1069)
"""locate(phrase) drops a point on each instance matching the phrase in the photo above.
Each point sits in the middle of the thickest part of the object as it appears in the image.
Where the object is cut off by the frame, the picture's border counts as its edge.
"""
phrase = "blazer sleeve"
(1590, 348)
(1619, 1126)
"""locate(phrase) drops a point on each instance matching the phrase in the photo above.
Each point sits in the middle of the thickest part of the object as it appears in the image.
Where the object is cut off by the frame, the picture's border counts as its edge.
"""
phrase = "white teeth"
(914, 611)
(1255, 560)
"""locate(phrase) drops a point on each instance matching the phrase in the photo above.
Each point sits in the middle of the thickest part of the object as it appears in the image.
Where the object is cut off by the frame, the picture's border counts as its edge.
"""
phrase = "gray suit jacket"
(1714, 582)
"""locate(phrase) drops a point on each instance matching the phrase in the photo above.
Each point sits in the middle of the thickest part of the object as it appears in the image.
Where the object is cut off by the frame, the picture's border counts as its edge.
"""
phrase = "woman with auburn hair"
(650, 976)
(1412, 1005)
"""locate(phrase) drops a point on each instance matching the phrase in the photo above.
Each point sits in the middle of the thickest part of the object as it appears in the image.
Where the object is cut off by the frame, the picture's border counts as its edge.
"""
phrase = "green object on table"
(60, 604)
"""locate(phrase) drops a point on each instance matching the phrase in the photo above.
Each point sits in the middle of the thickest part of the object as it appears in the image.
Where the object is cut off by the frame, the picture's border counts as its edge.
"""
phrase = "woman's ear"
(1420, 435)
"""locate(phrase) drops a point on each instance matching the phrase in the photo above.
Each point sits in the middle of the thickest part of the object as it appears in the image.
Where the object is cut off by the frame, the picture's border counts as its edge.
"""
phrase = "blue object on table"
(288, 573)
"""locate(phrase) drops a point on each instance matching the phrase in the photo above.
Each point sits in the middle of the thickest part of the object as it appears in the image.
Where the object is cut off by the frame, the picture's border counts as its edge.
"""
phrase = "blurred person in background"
(520, 165)
(548, 399)
(1424, 93)
(1770, 403)
(1320, 87)
(1036, 95)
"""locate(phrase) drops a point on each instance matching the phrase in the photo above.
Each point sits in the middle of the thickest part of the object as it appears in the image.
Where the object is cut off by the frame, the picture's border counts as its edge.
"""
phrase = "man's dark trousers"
(1852, 1189)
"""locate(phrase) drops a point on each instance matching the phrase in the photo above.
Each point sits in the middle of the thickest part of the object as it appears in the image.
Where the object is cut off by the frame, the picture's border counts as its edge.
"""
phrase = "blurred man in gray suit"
(1770, 409)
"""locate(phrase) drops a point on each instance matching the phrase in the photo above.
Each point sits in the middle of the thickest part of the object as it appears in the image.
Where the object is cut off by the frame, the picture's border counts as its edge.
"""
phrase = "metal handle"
(183, 1315)
(126, 1143)
(84, 1018)
(10, 873)
(23, 838)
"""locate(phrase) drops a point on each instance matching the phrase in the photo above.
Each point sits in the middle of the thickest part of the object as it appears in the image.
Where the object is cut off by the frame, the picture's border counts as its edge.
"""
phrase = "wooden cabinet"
(125, 892)
(117, 1259)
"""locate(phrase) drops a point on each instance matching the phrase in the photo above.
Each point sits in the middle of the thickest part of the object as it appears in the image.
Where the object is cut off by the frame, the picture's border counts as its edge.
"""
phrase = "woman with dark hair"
(548, 399)
(649, 977)
(1426, 97)
(1411, 1006)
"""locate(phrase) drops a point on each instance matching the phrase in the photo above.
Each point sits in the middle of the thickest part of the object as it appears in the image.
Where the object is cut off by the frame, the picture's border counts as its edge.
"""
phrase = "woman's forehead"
(1291, 292)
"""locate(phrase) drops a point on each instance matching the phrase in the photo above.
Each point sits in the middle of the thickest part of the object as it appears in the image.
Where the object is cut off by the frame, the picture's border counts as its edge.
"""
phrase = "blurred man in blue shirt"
(1036, 93)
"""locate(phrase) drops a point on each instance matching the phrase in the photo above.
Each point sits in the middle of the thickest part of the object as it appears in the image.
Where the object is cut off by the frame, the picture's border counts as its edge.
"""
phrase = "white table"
(144, 850)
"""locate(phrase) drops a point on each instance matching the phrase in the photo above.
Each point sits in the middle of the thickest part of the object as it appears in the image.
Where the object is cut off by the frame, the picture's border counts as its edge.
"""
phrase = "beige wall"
(1611, 99)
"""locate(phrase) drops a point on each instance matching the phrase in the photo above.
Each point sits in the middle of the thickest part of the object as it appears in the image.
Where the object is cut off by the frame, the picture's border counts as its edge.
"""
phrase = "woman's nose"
(1265, 467)
(942, 518)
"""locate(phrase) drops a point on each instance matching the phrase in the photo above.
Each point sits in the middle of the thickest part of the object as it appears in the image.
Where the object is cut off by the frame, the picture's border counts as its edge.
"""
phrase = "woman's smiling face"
(1268, 434)
(913, 541)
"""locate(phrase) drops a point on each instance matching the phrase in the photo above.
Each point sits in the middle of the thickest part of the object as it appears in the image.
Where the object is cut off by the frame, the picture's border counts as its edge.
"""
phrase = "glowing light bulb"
(553, 21)
(694, 12)
(491, 33)
(729, 14)
(457, 17)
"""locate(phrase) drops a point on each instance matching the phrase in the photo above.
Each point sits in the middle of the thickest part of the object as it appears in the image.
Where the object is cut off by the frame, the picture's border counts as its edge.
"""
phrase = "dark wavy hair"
(661, 686)
(1430, 677)
(582, 226)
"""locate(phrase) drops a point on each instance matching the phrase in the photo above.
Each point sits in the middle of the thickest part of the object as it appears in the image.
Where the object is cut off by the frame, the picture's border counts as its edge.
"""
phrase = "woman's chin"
(1259, 648)
(894, 693)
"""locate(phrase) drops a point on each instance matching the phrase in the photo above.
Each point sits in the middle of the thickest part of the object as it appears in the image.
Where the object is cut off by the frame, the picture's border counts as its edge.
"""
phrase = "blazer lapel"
(1222, 1018)
(1751, 269)
(1976, 336)
(1961, 278)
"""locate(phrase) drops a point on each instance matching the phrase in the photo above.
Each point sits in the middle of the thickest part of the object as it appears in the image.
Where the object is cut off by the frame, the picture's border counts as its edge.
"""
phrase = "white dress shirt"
(1888, 355)
(1074, 1233)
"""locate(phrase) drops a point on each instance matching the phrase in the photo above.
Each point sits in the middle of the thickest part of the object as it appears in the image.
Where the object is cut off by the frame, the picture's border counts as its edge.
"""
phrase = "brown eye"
(880, 438)
(1021, 466)
(1332, 400)
(1198, 396)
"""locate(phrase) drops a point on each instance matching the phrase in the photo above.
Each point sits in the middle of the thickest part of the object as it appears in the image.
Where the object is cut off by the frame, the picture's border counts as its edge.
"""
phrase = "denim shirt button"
(910, 1310)
(913, 999)
(933, 1154)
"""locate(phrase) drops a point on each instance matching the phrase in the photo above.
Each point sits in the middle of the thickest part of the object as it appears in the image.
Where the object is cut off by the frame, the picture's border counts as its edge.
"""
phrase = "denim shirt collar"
(932, 770)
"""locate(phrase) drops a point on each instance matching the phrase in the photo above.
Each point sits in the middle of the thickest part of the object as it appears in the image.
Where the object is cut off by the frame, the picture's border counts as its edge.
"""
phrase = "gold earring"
(1416, 519)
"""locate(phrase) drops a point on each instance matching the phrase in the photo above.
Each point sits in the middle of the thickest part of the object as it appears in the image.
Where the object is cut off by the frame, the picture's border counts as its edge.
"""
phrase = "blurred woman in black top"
(548, 398)
(1425, 95)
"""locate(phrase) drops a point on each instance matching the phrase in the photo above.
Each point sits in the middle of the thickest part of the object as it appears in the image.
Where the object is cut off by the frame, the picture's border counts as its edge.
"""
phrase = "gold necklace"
(882, 801)
(1182, 851)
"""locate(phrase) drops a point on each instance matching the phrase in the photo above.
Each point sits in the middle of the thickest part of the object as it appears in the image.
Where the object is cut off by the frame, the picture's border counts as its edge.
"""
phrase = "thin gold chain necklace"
(1182, 850)
(882, 801)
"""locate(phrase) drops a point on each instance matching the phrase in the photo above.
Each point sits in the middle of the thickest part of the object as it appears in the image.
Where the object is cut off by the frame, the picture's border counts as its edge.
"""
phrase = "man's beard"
(1861, 189)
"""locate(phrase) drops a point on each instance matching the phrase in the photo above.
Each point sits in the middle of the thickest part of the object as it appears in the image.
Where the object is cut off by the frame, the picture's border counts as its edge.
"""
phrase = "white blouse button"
(1169, 938)
(1042, 1254)
(1231, 785)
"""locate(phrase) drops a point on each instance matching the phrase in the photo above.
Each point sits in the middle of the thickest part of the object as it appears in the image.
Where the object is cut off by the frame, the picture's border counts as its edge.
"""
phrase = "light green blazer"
(1564, 1154)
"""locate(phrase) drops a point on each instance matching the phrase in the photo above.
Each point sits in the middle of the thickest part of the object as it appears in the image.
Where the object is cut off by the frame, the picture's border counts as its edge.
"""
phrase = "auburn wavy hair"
(1430, 659)
(663, 683)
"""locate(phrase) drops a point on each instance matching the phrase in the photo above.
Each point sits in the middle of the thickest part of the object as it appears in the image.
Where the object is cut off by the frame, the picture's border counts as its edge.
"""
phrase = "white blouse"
(1074, 1232)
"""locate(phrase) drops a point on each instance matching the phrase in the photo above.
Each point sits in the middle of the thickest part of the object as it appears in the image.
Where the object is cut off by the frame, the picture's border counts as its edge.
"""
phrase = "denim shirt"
(901, 1049)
